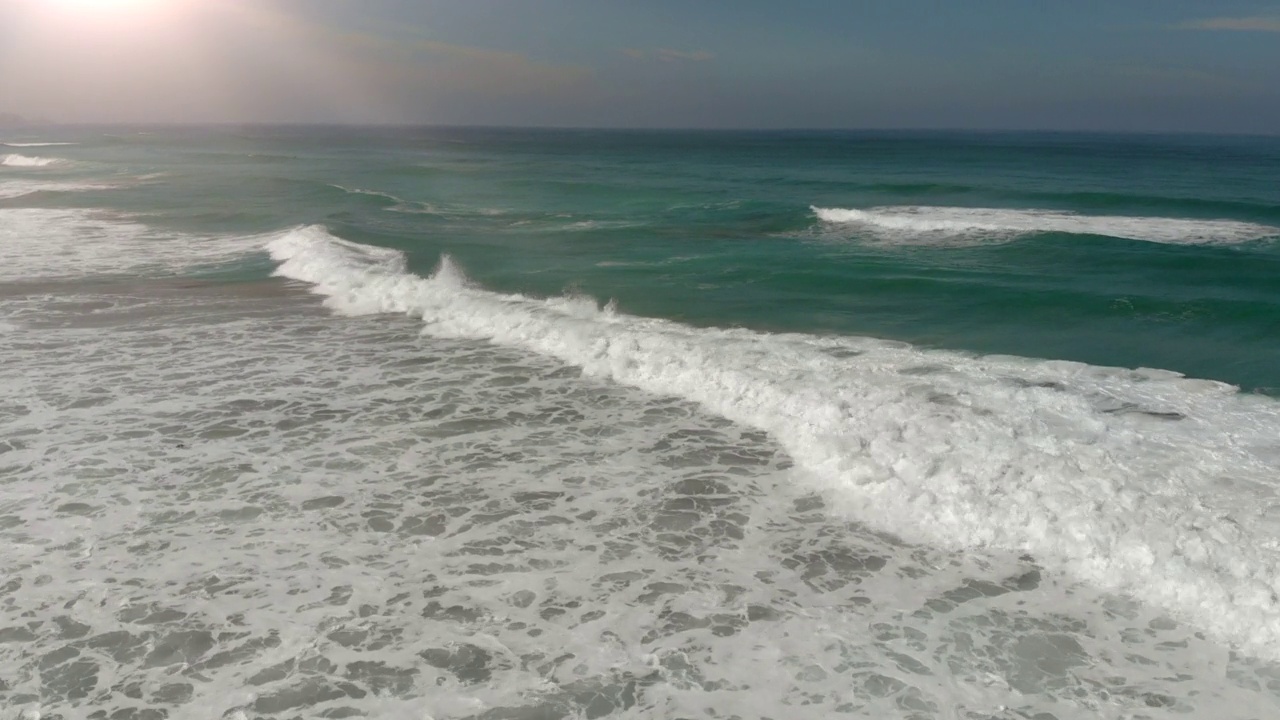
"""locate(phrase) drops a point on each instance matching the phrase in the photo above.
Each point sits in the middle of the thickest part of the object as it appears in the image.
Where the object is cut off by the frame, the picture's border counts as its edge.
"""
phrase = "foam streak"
(924, 225)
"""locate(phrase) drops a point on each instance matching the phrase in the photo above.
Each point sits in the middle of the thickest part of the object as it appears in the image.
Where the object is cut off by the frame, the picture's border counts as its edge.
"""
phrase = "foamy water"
(925, 225)
(66, 243)
(232, 504)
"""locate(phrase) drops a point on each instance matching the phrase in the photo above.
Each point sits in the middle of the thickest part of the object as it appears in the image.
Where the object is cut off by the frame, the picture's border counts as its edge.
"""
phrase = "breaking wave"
(24, 161)
(1137, 481)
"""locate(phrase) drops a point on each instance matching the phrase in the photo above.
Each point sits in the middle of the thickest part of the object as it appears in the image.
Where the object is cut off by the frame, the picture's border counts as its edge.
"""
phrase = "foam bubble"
(922, 224)
(1138, 482)
(24, 161)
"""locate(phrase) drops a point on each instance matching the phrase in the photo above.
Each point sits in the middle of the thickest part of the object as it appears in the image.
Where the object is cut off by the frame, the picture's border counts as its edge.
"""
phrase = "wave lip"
(26, 161)
(919, 224)
(935, 447)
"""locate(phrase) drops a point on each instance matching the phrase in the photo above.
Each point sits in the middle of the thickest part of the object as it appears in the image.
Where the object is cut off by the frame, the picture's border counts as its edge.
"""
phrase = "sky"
(1114, 65)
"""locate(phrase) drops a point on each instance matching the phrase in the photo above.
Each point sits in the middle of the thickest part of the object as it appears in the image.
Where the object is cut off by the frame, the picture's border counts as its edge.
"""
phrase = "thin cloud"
(669, 55)
(1239, 24)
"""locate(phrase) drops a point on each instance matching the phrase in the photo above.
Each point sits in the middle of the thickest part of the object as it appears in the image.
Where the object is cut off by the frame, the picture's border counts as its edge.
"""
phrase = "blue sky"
(1143, 65)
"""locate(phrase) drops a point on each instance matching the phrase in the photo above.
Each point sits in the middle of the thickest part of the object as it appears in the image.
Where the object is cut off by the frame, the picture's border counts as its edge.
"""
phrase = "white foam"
(36, 144)
(24, 161)
(923, 224)
(1085, 468)
(63, 243)
(219, 503)
(10, 189)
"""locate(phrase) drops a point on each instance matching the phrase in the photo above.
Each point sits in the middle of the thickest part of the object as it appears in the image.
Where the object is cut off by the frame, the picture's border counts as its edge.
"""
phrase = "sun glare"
(98, 10)
(104, 5)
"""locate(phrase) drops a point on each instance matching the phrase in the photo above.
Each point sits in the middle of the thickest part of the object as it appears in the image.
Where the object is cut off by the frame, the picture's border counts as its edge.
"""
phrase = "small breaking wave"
(913, 224)
(25, 161)
(36, 144)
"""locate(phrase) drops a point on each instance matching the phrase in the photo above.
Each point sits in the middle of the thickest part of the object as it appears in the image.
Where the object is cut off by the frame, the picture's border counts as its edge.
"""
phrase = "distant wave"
(395, 202)
(36, 144)
(371, 193)
(25, 161)
(417, 207)
(585, 225)
(924, 224)
(20, 188)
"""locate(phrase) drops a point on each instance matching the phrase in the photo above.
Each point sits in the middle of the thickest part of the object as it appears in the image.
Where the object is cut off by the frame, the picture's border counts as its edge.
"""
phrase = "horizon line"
(626, 128)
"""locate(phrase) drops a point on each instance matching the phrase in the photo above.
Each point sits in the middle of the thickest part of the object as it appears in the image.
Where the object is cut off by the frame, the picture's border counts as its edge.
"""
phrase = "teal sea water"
(335, 422)
(1113, 250)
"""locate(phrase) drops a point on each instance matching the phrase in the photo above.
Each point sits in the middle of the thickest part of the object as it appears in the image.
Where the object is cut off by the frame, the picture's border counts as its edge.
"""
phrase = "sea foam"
(959, 225)
(65, 243)
(219, 504)
(1137, 481)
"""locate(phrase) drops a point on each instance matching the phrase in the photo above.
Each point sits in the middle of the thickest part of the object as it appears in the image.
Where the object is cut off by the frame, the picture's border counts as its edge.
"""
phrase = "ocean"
(310, 422)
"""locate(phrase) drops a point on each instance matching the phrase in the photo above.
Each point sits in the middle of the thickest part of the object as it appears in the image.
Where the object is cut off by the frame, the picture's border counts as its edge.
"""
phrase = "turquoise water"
(717, 229)
(335, 422)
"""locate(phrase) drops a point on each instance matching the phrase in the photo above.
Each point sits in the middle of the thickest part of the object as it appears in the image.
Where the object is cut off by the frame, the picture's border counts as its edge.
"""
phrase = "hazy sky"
(1152, 65)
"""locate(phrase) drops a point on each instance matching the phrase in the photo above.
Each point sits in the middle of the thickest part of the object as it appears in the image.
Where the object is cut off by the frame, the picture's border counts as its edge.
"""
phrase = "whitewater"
(26, 161)
(996, 452)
